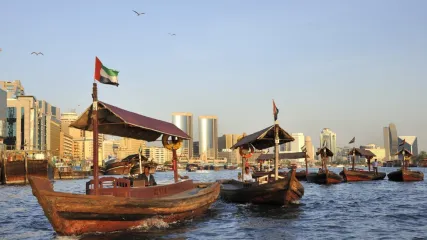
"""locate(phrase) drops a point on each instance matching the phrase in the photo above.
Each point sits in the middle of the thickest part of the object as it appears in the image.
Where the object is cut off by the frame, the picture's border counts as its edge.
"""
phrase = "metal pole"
(306, 165)
(276, 151)
(95, 137)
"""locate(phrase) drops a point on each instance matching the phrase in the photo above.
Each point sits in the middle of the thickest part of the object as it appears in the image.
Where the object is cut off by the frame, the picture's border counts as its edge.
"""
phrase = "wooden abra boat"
(111, 204)
(405, 174)
(355, 175)
(301, 175)
(18, 171)
(267, 189)
(280, 192)
(122, 207)
(117, 168)
(324, 176)
(62, 172)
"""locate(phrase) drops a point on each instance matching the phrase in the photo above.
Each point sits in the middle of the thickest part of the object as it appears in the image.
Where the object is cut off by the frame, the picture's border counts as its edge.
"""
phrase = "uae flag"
(105, 75)
(275, 111)
(352, 140)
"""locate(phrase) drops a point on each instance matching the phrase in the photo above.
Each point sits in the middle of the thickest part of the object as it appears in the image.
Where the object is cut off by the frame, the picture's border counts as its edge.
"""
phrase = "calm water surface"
(377, 210)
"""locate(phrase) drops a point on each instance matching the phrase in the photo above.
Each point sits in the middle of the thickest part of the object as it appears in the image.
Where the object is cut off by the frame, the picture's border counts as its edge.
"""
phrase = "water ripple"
(378, 210)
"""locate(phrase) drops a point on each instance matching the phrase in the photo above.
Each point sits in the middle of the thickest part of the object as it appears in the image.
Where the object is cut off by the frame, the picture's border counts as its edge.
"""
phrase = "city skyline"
(314, 52)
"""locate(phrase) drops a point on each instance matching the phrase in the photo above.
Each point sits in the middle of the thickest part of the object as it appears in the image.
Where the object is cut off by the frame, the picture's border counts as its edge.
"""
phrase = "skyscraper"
(390, 142)
(208, 136)
(326, 135)
(184, 121)
(310, 148)
(411, 144)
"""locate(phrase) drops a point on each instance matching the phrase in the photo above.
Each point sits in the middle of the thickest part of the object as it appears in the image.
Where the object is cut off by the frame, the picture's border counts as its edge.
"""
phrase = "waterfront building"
(390, 142)
(208, 136)
(330, 138)
(129, 146)
(159, 155)
(3, 110)
(184, 121)
(310, 149)
(411, 144)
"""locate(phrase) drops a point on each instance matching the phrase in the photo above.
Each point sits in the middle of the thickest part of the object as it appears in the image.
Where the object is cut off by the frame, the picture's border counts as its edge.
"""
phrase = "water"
(377, 210)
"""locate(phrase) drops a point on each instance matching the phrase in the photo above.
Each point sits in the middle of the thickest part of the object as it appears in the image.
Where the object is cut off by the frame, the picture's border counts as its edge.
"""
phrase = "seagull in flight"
(138, 12)
(37, 53)
(172, 34)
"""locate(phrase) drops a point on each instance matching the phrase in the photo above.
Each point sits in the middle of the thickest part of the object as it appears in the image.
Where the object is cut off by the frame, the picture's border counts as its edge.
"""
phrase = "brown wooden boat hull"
(118, 168)
(357, 176)
(75, 214)
(301, 176)
(61, 175)
(323, 178)
(281, 192)
(406, 176)
(14, 172)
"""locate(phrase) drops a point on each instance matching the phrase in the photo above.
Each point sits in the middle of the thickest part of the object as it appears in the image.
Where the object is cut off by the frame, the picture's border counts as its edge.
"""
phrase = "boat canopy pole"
(175, 165)
(354, 157)
(276, 151)
(306, 165)
(95, 138)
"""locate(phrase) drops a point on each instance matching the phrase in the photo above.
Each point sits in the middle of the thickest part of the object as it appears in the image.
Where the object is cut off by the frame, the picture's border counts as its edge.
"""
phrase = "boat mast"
(276, 150)
(95, 137)
(175, 164)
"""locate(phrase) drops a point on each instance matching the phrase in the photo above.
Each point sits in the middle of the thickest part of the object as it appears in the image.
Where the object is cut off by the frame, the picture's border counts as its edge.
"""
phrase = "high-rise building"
(310, 148)
(66, 146)
(411, 144)
(330, 138)
(13, 88)
(196, 149)
(22, 124)
(208, 136)
(3, 110)
(226, 141)
(66, 119)
(184, 121)
(390, 142)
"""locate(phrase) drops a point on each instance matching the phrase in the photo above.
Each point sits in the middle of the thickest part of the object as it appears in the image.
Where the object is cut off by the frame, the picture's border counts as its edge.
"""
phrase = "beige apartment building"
(159, 155)
(129, 146)
(66, 146)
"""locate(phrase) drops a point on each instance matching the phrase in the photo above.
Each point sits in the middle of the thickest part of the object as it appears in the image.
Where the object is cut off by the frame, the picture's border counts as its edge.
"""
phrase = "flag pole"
(95, 137)
(140, 163)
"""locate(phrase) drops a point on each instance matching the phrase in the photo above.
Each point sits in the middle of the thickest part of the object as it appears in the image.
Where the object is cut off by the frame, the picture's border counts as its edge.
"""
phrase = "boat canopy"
(119, 122)
(263, 139)
(329, 153)
(294, 155)
(362, 152)
(407, 153)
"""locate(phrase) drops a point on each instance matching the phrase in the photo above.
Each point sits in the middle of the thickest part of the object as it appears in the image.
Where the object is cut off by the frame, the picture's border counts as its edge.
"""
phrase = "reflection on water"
(379, 210)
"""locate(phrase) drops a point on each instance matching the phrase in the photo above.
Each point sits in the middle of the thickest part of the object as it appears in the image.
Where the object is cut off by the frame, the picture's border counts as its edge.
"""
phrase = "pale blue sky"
(352, 66)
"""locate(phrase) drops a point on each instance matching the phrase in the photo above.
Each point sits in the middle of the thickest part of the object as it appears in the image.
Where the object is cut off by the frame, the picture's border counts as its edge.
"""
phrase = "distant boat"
(405, 174)
(355, 175)
(324, 176)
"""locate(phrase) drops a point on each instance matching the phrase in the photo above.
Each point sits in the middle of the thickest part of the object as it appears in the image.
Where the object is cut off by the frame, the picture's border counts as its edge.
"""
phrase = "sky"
(351, 66)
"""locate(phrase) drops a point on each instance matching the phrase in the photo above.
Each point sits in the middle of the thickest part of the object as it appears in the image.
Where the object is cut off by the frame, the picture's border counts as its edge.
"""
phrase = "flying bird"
(172, 34)
(37, 53)
(138, 12)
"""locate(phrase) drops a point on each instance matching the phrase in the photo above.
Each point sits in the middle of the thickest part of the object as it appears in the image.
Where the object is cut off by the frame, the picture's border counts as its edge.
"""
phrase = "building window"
(22, 128)
(10, 140)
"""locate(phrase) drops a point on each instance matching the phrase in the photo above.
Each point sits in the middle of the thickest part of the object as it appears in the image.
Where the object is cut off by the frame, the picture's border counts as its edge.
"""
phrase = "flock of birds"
(138, 14)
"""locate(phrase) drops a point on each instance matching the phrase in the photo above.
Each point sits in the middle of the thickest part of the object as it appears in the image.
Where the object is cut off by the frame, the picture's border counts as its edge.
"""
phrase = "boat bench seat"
(110, 186)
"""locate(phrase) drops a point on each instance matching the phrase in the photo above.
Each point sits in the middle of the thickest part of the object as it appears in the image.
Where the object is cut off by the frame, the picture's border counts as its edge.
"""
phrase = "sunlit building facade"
(208, 136)
(184, 121)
